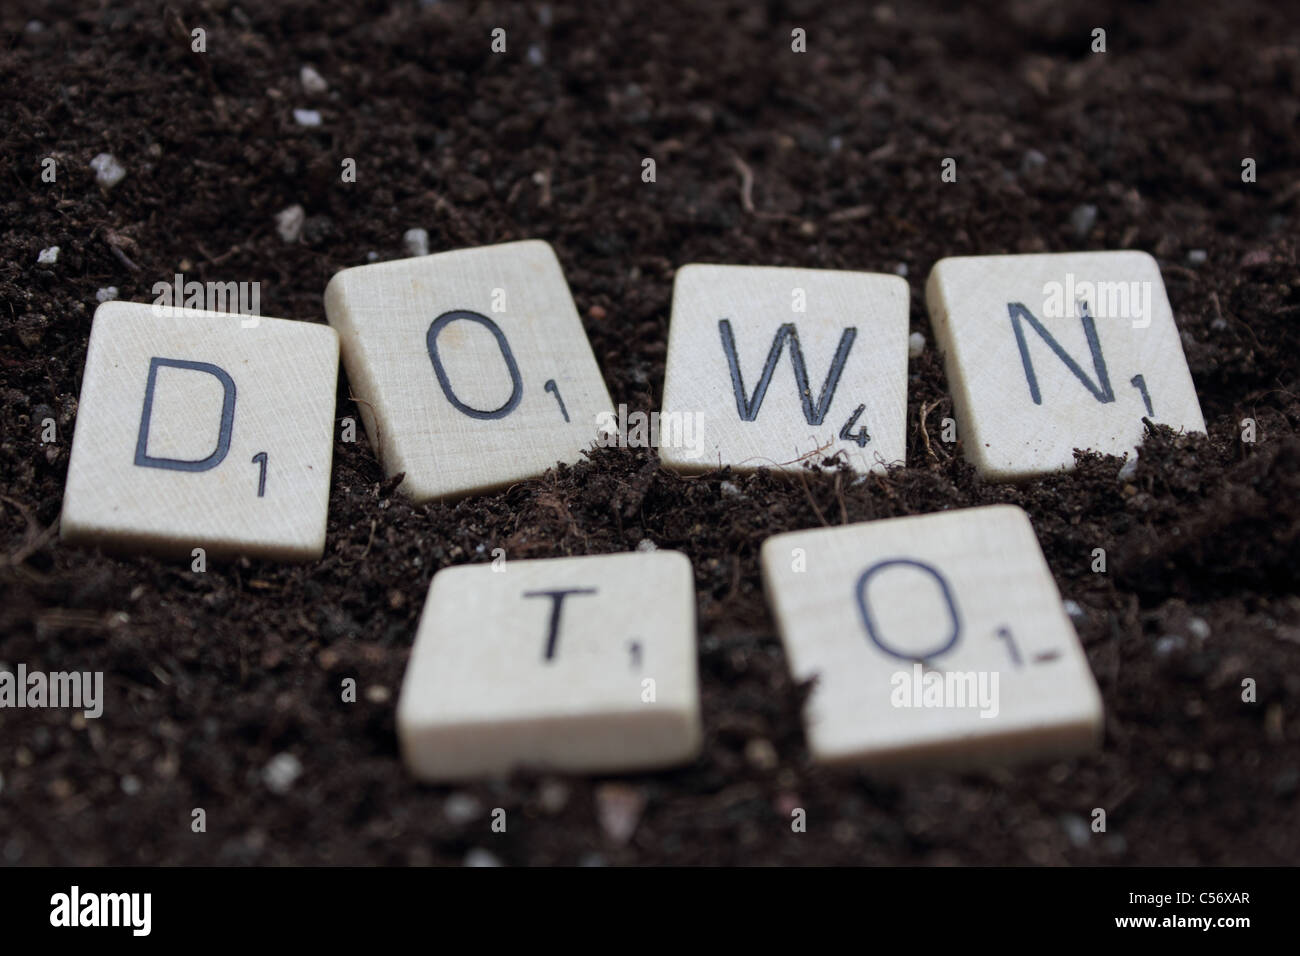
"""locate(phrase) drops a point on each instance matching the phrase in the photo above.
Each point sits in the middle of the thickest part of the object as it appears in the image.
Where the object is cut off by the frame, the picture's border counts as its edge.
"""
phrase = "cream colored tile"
(471, 368)
(1033, 378)
(769, 365)
(935, 640)
(195, 431)
(574, 664)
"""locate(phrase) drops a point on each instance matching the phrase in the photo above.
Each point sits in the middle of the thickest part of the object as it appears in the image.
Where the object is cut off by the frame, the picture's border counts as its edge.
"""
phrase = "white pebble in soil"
(288, 222)
(1169, 644)
(312, 81)
(416, 242)
(306, 117)
(106, 294)
(761, 755)
(1032, 160)
(915, 345)
(553, 795)
(1083, 218)
(108, 171)
(1077, 829)
(48, 257)
(461, 808)
(281, 772)
(618, 810)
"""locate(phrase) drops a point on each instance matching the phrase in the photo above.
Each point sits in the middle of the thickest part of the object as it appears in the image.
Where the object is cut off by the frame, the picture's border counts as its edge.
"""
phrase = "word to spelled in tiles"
(575, 664)
(935, 640)
(1049, 353)
(203, 430)
(767, 366)
(471, 368)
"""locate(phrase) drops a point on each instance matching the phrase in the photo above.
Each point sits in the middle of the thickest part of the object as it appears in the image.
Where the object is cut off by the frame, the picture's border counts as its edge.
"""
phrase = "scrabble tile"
(1049, 353)
(767, 366)
(935, 640)
(471, 369)
(572, 664)
(201, 430)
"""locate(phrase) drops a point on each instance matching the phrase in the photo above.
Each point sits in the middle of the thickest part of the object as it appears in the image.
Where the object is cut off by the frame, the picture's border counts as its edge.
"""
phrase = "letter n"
(1100, 391)
(142, 457)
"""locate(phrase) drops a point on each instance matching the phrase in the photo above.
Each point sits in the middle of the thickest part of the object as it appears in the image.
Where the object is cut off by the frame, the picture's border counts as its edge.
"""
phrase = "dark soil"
(209, 676)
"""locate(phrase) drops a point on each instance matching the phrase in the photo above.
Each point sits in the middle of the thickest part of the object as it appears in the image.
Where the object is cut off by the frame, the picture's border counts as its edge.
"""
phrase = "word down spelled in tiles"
(581, 664)
(935, 640)
(1049, 353)
(471, 368)
(203, 430)
(769, 366)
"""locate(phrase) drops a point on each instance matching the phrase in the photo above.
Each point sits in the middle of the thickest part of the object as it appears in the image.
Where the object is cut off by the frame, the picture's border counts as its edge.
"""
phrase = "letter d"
(142, 457)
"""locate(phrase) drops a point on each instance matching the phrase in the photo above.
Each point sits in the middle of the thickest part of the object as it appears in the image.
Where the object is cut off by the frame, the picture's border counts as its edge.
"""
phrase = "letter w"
(1102, 391)
(748, 408)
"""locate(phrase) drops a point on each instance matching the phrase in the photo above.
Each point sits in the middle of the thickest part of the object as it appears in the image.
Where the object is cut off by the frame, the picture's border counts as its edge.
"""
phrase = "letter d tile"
(194, 431)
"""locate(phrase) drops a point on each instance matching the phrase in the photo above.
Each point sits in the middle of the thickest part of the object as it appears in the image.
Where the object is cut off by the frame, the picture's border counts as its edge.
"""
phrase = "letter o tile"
(471, 368)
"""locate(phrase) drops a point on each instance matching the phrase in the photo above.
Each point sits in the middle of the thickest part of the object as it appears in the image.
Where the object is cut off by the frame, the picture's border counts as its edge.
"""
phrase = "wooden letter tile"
(574, 664)
(767, 366)
(203, 430)
(1049, 353)
(935, 640)
(471, 368)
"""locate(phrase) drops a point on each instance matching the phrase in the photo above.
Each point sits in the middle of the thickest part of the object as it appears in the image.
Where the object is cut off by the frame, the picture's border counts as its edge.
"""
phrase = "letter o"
(870, 623)
(517, 385)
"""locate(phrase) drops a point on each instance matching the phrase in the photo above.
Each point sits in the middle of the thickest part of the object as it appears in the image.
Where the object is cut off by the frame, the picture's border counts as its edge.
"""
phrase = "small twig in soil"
(803, 480)
(746, 183)
(747, 193)
(366, 551)
(850, 214)
(926, 409)
(884, 486)
(114, 246)
(377, 444)
(217, 260)
(35, 538)
(882, 152)
(1181, 270)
